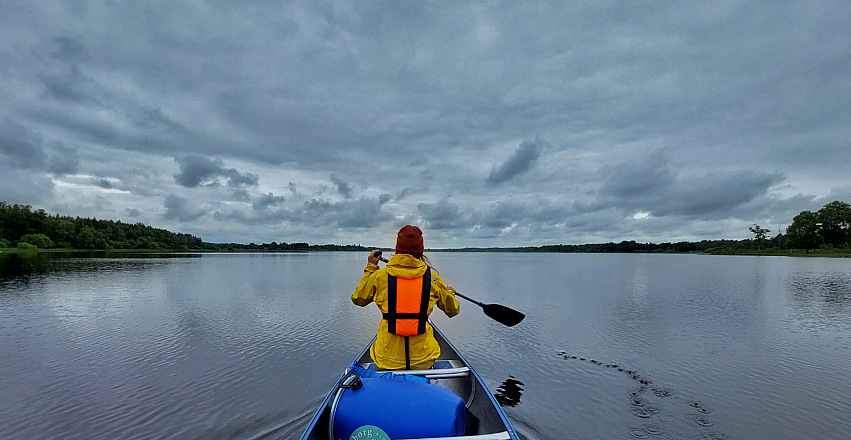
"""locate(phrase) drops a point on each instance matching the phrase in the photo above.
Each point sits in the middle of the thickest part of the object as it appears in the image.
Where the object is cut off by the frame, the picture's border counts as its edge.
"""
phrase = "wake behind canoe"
(455, 403)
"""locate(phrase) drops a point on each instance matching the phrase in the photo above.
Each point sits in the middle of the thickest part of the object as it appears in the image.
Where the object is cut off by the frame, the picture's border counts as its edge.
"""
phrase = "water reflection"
(509, 392)
(18, 265)
(246, 346)
(22, 266)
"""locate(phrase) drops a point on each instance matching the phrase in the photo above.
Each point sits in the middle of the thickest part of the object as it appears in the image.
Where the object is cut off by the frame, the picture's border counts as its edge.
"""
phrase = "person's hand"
(372, 258)
(449, 286)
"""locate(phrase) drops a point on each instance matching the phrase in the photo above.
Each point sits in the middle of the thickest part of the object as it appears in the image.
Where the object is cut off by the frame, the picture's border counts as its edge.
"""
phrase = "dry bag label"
(369, 432)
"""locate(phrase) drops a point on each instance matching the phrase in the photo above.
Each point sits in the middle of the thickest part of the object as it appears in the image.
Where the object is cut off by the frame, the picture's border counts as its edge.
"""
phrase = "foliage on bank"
(829, 227)
(628, 247)
(823, 232)
(25, 229)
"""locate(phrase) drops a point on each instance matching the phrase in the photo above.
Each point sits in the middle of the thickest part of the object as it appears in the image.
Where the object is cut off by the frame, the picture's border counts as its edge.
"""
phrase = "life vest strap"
(407, 352)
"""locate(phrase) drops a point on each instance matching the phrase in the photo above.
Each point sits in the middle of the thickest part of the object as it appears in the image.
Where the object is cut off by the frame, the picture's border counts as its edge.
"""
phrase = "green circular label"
(369, 432)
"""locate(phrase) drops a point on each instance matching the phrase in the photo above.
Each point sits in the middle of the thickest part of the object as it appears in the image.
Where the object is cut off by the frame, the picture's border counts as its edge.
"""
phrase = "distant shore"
(831, 253)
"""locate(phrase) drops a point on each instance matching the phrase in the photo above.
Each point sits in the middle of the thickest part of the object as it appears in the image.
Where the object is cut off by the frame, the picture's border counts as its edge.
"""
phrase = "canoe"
(455, 403)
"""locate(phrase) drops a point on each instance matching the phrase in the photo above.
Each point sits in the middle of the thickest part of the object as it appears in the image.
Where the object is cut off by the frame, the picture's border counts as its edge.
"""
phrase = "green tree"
(64, 232)
(835, 219)
(90, 238)
(759, 233)
(39, 240)
(804, 231)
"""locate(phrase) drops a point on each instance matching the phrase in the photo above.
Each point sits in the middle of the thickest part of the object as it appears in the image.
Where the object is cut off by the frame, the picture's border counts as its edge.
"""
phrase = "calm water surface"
(246, 346)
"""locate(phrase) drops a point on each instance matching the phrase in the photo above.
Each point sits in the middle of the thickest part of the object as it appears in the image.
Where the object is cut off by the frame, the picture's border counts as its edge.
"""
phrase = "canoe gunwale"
(488, 411)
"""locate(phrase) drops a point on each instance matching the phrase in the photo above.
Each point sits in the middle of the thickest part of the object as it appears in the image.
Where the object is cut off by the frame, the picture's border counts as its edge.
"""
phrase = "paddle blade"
(504, 315)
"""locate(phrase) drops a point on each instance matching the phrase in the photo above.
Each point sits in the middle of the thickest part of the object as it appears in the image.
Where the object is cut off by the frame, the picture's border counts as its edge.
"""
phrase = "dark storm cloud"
(520, 162)
(68, 49)
(240, 195)
(649, 184)
(492, 218)
(643, 177)
(181, 209)
(743, 106)
(24, 148)
(348, 214)
(20, 145)
(236, 179)
(343, 187)
(62, 159)
(197, 170)
(267, 200)
(72, 86)
(362, 213)
(719, 196)
(443, 215)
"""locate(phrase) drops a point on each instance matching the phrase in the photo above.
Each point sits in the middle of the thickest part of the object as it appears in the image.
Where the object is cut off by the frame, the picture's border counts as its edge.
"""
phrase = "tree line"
(22, 227)
(631, 246)
(25, 228)
(829, 226)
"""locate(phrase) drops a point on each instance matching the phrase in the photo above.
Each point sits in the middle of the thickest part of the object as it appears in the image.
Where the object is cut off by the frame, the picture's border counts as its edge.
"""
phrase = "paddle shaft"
(497, 312)
(480, 304)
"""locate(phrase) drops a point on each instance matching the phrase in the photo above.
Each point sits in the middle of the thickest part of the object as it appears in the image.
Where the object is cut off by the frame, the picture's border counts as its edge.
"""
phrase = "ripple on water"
(700, 420)
(644, 432)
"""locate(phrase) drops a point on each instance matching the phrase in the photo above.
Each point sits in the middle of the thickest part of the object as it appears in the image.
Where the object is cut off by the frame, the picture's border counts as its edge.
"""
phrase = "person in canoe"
(406, 291)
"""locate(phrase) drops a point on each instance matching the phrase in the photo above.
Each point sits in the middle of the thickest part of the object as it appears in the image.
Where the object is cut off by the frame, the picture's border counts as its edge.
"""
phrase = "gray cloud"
(24, 187)
(62, 158)
(442, 215)
(68, 50)
(742, 123)
(181, 209)
(343, 187)
(649, 184)
(240, 195)
(26, 149)
(520, 162)
(644, 177)
(71, 86)
(315, 213)
(267, 200)
(362, 213)
(20, 145)
(197, 170)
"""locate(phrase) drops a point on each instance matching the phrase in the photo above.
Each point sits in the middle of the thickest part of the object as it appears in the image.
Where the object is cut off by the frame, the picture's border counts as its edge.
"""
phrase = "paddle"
(497, 312)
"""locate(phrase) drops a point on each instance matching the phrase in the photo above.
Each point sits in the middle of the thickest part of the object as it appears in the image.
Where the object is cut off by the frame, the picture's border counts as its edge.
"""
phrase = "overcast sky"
(485, 123)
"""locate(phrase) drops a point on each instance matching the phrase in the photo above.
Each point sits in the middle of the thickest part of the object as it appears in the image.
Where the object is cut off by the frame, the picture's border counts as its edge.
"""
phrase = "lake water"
(245, 346)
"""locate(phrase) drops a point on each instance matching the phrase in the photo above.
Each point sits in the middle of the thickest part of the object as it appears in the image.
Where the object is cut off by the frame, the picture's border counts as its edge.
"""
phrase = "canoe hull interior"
(484, 417)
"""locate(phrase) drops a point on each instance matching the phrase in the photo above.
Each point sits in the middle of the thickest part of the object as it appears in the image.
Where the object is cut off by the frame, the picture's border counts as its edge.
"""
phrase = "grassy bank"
(81, 251)
(834, 253)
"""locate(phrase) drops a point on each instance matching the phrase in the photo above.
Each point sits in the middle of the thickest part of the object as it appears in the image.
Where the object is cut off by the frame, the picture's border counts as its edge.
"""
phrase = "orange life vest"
(407, 304)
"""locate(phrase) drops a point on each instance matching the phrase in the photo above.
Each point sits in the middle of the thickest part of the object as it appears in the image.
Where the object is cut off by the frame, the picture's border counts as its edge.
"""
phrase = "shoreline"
(828, 253)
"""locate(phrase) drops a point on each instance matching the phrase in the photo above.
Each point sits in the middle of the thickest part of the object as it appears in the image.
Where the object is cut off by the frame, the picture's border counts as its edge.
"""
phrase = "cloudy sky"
(485, 123)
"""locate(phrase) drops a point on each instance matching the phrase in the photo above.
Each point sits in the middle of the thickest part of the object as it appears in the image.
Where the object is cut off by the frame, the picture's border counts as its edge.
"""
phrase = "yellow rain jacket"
(388, 351)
